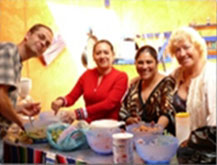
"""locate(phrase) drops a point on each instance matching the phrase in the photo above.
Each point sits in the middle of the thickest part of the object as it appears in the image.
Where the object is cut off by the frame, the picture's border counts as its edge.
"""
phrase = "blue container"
(152, 130)
(157, 151)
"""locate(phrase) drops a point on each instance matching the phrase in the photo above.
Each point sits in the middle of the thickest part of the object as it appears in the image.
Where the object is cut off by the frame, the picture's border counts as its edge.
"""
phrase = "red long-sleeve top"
(102, 101)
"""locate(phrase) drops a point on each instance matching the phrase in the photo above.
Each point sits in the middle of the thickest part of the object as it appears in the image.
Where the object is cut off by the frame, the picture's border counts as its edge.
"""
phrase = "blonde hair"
(192, 35)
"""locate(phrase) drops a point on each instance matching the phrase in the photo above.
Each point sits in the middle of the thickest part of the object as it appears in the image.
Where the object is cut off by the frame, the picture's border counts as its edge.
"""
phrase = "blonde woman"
(195, 77)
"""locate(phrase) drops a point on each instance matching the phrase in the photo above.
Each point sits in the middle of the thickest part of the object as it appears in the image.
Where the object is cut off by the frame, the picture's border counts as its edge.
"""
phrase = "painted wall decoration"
(54, 50)
(114, 20)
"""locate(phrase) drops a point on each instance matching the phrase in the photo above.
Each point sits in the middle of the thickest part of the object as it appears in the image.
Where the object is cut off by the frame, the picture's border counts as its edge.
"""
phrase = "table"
(43, 153)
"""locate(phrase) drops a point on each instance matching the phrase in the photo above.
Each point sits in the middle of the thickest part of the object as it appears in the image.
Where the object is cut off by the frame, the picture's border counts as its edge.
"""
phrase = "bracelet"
(79, 113)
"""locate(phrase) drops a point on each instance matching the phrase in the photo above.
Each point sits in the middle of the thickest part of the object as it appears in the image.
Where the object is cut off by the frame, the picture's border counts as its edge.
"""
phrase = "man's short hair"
(37, 26)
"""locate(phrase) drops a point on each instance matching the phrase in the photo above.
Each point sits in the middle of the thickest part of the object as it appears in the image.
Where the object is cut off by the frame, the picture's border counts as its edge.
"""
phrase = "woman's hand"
(163, 121)
(56, 105)
(67, 116)
(132, 120)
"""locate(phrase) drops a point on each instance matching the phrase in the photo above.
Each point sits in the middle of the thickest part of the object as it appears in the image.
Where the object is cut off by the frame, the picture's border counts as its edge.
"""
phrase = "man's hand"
(6, 108)
(29, 109)
(22, 127)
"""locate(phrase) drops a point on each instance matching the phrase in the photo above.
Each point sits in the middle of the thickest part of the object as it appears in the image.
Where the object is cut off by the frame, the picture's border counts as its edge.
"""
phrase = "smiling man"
(34, 44)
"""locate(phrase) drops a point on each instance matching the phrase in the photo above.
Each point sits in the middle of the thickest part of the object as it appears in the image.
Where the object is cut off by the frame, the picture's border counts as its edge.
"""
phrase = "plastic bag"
(65, 133)
(71, 141)
(200, 148)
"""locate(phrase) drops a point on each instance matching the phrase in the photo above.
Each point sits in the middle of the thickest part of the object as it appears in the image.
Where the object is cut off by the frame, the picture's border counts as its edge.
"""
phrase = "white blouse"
(201, 99)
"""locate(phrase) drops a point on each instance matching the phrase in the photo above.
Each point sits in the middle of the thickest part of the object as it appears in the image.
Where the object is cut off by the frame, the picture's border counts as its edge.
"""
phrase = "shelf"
(205, 26)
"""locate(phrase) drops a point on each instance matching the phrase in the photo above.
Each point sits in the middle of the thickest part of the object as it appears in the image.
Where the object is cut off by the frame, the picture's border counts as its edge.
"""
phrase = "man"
(34, 44)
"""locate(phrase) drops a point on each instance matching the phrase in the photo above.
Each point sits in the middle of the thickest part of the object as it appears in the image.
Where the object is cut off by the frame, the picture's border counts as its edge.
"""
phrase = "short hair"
(192, 35)
(103, 41)
(38, 26)
(149, 49)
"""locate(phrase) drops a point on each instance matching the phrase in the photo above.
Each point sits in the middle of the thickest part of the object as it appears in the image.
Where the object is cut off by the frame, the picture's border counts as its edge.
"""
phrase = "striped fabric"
(39, 156)
(21, 154)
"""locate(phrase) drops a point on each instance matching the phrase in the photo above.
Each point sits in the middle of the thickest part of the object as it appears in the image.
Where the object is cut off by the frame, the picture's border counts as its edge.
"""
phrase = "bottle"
(182, 126)
(122, 148)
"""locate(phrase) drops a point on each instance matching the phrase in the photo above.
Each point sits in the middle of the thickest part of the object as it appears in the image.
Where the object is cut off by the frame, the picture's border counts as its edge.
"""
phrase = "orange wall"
(143, 16)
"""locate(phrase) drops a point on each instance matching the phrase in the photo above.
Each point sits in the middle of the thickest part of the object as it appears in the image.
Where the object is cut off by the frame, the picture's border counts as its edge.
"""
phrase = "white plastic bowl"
(100, 141)
(99, 135)
(105, 124)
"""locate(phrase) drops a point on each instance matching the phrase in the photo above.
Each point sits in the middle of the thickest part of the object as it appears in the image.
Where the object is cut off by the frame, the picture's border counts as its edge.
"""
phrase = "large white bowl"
(99, 135)
(100, 141)
(105, 124)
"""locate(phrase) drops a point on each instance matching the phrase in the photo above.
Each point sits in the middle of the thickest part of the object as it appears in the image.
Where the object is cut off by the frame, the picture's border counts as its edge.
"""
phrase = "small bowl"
(158, 150)
(137, 130)
(37, 129)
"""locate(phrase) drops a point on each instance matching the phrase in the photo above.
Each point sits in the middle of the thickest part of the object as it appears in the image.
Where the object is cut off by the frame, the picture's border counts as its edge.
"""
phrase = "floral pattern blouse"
(159, 103)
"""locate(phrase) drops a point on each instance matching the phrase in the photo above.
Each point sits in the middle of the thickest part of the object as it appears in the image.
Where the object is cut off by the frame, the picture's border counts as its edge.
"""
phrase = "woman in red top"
(102, 88)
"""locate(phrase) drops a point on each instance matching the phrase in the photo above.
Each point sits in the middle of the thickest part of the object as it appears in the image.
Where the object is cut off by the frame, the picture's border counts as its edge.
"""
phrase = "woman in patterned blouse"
(149, 97)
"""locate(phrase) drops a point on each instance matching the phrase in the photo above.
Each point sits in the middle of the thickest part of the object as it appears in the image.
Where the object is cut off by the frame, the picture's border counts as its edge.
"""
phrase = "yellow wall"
(143, 16)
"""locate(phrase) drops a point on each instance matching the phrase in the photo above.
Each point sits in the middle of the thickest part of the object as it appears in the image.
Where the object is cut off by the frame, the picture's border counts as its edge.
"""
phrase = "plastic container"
(182, 126)
(99, 135)
(122, 148)
(49, 115)
(105, 124)
(157, 151)
(25, 87)
(37, 129)
(152, 130)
